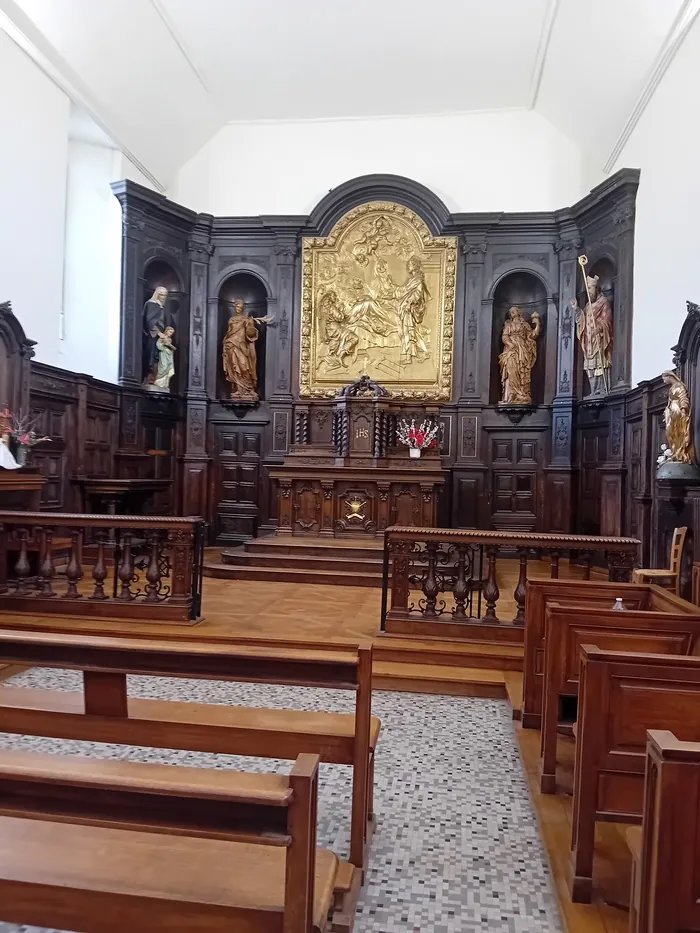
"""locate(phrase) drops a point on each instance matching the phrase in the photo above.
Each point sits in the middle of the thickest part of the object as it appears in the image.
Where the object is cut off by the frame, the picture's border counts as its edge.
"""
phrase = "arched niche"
(528, 292)
(250, 289)
(606, 270)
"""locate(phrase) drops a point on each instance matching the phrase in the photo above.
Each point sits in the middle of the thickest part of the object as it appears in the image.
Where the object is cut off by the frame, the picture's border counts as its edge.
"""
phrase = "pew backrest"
(669, 863)
(267, 809)
(109, 715)
(572, 592)
(568, 627)
(622, 695)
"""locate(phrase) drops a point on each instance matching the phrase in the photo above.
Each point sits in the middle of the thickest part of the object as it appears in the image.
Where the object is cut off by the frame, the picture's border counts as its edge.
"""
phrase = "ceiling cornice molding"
(675, 38)
(550, 16)
(27, 37)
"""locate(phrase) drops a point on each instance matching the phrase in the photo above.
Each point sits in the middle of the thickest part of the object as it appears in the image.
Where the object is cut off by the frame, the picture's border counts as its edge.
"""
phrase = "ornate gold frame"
(439, 257)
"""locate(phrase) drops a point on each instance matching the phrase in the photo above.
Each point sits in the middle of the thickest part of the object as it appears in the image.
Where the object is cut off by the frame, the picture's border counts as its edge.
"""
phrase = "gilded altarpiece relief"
(378, 297)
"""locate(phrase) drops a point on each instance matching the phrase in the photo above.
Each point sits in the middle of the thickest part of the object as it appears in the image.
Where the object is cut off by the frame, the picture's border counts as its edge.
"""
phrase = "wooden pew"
(666, 852)
(103, 846)
(104, 712)
(569, 627)
(570, 592)
(622, 695)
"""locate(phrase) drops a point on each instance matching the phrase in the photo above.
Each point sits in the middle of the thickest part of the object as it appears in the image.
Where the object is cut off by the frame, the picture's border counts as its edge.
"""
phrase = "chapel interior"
(349, 477)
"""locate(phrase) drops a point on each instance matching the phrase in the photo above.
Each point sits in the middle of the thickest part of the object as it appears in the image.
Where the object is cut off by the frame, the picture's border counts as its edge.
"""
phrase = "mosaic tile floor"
(456, 848)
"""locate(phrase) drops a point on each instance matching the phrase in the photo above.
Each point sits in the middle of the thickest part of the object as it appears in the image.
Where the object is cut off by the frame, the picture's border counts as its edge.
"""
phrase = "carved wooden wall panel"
(406, 505)
(467, 496)
(237, 478)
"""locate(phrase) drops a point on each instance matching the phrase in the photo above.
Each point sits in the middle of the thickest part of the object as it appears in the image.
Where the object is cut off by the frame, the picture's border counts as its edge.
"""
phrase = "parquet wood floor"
(296, 611)
(612, 865)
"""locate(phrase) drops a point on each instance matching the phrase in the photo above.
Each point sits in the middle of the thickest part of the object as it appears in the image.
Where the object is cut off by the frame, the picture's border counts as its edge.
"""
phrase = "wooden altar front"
(318, 497)
(362, 482)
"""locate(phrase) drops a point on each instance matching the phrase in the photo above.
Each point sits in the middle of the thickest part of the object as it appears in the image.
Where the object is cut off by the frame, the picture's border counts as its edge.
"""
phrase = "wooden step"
(438, 678)
(317, 547)
(291, 575)
(243, 558)
(451, 653)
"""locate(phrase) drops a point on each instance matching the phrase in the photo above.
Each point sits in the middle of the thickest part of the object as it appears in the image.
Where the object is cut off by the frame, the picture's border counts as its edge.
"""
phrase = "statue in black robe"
(153, 324)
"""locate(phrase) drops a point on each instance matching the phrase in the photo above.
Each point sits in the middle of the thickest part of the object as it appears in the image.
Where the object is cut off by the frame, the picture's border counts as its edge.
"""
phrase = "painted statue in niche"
(153, 326)
(677, 420)
(594, 329)
(239, 353)
(164, 369)
(378, 298)
(518, 357)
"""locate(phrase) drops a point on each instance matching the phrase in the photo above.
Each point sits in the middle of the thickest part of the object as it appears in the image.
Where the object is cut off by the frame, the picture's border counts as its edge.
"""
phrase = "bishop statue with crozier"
(594, 329)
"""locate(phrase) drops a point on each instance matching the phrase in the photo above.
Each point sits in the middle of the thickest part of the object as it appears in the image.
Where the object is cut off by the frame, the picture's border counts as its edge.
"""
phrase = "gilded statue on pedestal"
(594, 330)
(677, 419)
(518, 357)
(239, 355)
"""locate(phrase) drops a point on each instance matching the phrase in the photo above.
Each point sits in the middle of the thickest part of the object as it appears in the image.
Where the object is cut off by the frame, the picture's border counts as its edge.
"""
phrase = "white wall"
(665, 145)
(515, 161)
(92, 262)
(33, 166)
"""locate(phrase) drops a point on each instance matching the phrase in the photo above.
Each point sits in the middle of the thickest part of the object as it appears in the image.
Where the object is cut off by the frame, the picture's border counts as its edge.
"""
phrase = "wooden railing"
(119, 566)
(446, 575)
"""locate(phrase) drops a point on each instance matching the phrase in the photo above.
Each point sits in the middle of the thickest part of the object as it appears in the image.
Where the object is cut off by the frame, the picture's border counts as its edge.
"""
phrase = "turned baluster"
(22, 567)
(334, 430)
(521, 589)
(554, 571)
(47, 569)
(153, 571)
(377, 435)
(461, 587)
(431, 587)
(587, 558)
(74, 570)
(99, 571)
(491, 591)
(126, 567)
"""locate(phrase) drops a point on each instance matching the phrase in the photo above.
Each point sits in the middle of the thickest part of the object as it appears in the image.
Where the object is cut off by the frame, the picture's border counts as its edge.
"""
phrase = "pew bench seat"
(98, 846)
(54, 875)
(230, 730)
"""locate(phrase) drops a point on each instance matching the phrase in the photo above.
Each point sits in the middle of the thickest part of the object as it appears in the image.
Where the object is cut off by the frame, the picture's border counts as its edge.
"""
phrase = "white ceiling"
(162, 76)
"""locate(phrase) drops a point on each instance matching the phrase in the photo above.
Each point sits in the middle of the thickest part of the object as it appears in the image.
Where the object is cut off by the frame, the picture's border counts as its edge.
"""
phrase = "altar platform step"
(289, 560)
(438, 678)
(483, 655)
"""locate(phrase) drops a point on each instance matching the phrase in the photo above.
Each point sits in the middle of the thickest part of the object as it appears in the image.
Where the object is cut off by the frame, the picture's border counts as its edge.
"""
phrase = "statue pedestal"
(683, 473)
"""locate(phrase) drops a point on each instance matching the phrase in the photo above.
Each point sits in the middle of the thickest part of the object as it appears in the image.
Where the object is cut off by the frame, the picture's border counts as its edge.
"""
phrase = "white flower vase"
(414, 451)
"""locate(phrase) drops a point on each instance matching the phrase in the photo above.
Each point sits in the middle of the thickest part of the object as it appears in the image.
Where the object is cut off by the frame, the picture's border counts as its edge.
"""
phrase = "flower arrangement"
(665, 455)
(20, 430)
(417, 438)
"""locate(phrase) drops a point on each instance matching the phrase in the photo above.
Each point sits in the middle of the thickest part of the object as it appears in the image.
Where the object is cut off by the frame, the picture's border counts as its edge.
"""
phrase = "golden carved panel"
(378, 297)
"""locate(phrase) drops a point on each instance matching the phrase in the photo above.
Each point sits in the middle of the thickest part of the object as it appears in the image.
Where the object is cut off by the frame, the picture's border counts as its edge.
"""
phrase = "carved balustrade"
(451, 577)
(118, 566)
